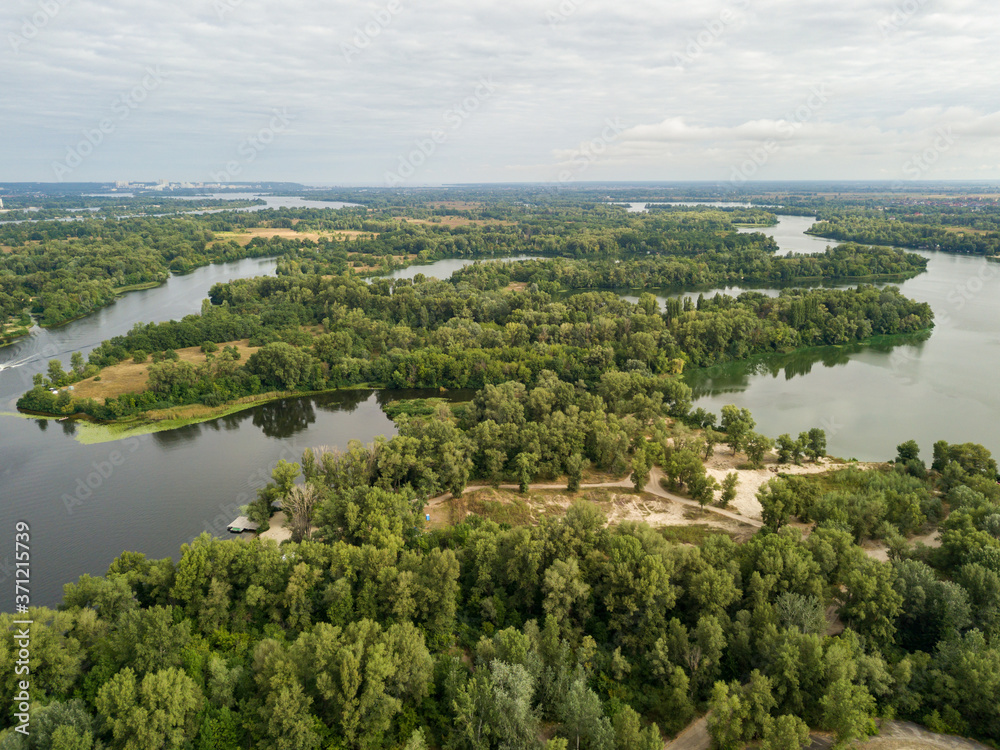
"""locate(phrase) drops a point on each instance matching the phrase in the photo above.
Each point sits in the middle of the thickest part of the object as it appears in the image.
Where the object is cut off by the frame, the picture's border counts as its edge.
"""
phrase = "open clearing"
(967, 230)
(751, 480)
(360, 267)
(506, 505)
(245, 237)
(129, 377)
(893, 735)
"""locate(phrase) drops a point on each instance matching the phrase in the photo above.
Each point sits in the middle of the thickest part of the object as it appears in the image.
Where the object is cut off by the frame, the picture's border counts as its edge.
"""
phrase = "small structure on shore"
(242, 524)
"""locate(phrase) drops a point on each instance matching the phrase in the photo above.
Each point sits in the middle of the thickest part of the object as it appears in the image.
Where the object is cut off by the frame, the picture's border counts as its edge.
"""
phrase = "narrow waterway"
(87, 503)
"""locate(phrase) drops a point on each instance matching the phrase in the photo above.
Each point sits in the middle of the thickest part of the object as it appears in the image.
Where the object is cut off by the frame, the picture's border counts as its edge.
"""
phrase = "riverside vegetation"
(369, 630)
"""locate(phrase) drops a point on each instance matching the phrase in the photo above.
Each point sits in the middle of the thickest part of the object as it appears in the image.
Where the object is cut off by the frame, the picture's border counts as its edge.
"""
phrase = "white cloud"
(557, 84)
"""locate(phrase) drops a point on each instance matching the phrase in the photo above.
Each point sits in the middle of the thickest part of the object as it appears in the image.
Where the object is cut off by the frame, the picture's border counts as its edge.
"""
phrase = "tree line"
(370, 630)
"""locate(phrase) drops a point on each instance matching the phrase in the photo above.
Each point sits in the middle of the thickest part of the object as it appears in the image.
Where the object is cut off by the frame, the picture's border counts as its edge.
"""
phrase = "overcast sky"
(432, 91)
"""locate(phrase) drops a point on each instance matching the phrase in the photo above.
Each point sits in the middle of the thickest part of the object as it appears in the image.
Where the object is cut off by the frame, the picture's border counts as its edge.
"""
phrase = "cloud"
(696, 86)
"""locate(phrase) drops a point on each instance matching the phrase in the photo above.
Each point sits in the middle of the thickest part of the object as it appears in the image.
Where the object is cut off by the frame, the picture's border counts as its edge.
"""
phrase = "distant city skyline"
(385, 93)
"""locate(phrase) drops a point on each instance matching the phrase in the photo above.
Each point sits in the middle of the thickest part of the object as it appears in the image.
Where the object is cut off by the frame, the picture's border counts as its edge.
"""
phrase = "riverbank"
(93, 433)
(804, 356)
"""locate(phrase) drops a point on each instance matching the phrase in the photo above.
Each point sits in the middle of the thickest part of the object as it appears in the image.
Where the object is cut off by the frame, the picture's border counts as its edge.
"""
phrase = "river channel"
(87, 503)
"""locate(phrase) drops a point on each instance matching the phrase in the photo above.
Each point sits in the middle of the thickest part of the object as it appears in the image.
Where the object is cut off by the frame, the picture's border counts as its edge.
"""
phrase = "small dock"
(241, 524)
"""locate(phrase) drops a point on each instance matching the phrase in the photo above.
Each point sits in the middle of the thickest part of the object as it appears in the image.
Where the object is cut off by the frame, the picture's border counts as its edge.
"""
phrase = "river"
(87, 503)
(871, 398)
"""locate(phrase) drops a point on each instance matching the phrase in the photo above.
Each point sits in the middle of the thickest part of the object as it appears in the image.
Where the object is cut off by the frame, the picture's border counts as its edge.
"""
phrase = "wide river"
(87, 503)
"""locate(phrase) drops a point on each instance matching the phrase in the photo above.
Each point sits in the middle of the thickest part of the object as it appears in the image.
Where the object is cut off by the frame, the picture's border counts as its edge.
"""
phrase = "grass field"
(245, 237)
(129, 377)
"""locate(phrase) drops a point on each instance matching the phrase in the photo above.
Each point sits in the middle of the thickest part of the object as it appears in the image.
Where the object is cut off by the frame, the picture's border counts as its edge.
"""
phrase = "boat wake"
(12, 365)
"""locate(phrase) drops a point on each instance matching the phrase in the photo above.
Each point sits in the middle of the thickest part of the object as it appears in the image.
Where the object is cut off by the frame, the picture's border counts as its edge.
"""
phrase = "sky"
(417, 92)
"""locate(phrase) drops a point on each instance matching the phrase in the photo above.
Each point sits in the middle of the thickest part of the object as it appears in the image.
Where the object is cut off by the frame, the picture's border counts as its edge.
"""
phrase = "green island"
(565, 556)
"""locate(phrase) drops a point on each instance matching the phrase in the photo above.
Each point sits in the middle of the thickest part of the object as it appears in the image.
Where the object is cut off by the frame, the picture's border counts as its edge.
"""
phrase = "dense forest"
(316, 333)
(369, 630)
(909, 231)
(372, 628)
(61, 270)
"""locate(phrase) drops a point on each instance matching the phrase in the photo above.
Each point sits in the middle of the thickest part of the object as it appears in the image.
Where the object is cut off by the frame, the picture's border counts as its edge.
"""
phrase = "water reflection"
(284, 418)
(896, 352)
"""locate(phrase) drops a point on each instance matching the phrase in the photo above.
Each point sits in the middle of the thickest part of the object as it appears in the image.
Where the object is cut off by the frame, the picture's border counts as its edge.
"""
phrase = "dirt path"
(904, 735)
(652, 487)
(893, 735)
(693, 737)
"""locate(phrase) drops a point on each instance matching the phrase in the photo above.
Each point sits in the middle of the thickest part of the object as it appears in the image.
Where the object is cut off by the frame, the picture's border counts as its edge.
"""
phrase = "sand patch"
(877, 550)
(751, 480)
(362, 267)
(506, 505)
(278, 530)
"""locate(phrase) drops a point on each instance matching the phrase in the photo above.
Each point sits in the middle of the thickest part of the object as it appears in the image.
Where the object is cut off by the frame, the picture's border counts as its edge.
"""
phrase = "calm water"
(640, 207)
(790, 235)
(871, 398)
(87, 503)
(179, 296)
(443, 269)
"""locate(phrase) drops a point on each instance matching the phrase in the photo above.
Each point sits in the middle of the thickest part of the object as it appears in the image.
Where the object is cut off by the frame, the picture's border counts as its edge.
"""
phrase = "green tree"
(525, 465)
(908, 451)
(56, 374)
(574, 471)
(281, 365)
(640, 469)
(737, 424)
(565, 591)
(629, 732)
(847, 710)
(583, 721)
(157, 713)
(786, 732)
(729, 484)
(817, 444)
(756, 447)
(786, 448)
